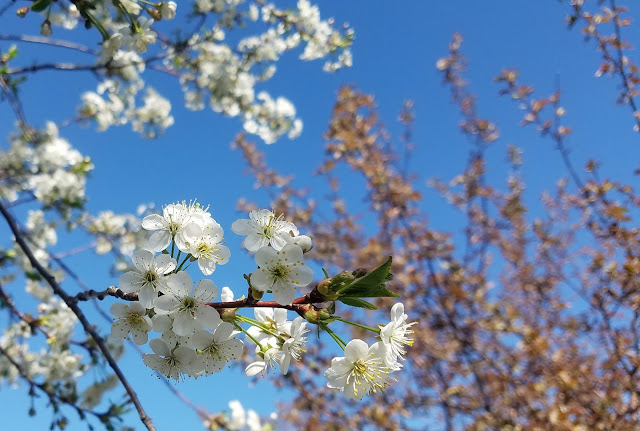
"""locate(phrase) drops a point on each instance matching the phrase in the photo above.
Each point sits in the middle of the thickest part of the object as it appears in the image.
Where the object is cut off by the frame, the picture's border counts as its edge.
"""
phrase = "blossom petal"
(265, 256)
(397, 312)
(166, 304)
(130, 282)
(165, 264)
(159, 240)
(300, 275)
(205, 290)
(179, 284)
(255, 242)
(140, 337)
(208, 317)
(142, 260)
(154, 222)
(159, 347)
(283, 295)
(147, 296)
(261, 279)
(356, 349)
(119, 309)
(242, 227)
(255, 368)
(183, 324)
(223, 332)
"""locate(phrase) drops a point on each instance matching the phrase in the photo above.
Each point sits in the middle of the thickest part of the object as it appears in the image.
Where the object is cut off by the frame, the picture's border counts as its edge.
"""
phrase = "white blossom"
(208, 249)
(177, 222)
(173, 363)
(263, 228)
(187, 308)
(394, 335)
(217, 349)
(360, 371)
(282, 272)
(132, 319)
(148, 277)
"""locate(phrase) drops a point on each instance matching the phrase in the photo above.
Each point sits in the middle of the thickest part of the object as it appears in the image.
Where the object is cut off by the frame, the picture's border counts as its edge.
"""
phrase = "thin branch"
(620, 63)
(48, 41)
(6, 7)
(109, 291)
(58, 290)
(53, 397)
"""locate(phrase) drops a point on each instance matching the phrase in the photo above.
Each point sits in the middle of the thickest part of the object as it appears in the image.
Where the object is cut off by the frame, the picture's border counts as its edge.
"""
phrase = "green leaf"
(40, 5)
(371, 285)
(357, 302)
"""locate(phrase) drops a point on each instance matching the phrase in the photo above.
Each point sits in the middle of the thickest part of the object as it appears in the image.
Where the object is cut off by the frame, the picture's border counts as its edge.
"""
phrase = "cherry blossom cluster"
(211, 69)
(199, 337)
(44, 164)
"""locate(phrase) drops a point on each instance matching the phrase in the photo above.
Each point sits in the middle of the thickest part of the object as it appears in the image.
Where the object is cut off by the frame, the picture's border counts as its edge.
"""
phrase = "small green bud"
(256, 294)
(228, 314)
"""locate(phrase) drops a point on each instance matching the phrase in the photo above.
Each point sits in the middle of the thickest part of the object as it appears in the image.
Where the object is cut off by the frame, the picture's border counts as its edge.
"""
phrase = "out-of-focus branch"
(49, 41)
(54, 398)
(58, 290)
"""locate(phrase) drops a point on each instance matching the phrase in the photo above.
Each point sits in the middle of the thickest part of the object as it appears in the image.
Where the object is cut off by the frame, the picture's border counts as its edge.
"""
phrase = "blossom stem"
(335, 336)
(249, 335)
(359, 325)
(263, 327)
(104, 33)
(183, 262)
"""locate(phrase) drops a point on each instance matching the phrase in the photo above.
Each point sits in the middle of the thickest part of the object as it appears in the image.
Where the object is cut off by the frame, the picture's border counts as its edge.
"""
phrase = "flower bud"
(310, 314)
(228, 314)
(22, 12)
(45, 28)
(256, 294)
(155, 14)
(304, 242)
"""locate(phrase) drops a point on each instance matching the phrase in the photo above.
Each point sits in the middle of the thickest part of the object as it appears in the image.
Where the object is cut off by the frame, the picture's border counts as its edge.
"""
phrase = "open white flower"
(394, 335)
(263, 228)
(148, 278)
(170, 362)
(217, 349)
(274, 319)
(294, 346)
(188, 309)
(361, 371)
(177, 222)
(265, 361)
(208, 248)
(132, 319)
(281, 272)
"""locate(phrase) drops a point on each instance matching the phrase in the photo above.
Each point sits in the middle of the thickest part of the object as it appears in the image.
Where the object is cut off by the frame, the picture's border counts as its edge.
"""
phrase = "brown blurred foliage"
(524, 323)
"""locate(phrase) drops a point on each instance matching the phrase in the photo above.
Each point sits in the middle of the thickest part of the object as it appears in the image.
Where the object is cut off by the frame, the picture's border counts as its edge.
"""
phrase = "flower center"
(189, 305)
(136, 320)
(369, 375)
(173, 228)
(151, 277)
(279, 271)
(204, 250)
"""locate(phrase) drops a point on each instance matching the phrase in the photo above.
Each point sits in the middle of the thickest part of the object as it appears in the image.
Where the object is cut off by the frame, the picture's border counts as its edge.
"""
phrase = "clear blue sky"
(396, 47)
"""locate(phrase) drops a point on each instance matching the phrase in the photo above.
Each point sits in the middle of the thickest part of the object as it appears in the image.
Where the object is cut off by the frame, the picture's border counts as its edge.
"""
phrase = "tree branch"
(72, 304)
(48, 41)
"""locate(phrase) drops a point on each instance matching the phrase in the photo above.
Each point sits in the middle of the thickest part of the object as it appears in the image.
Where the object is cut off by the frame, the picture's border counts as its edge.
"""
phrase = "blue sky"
(394, 55)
